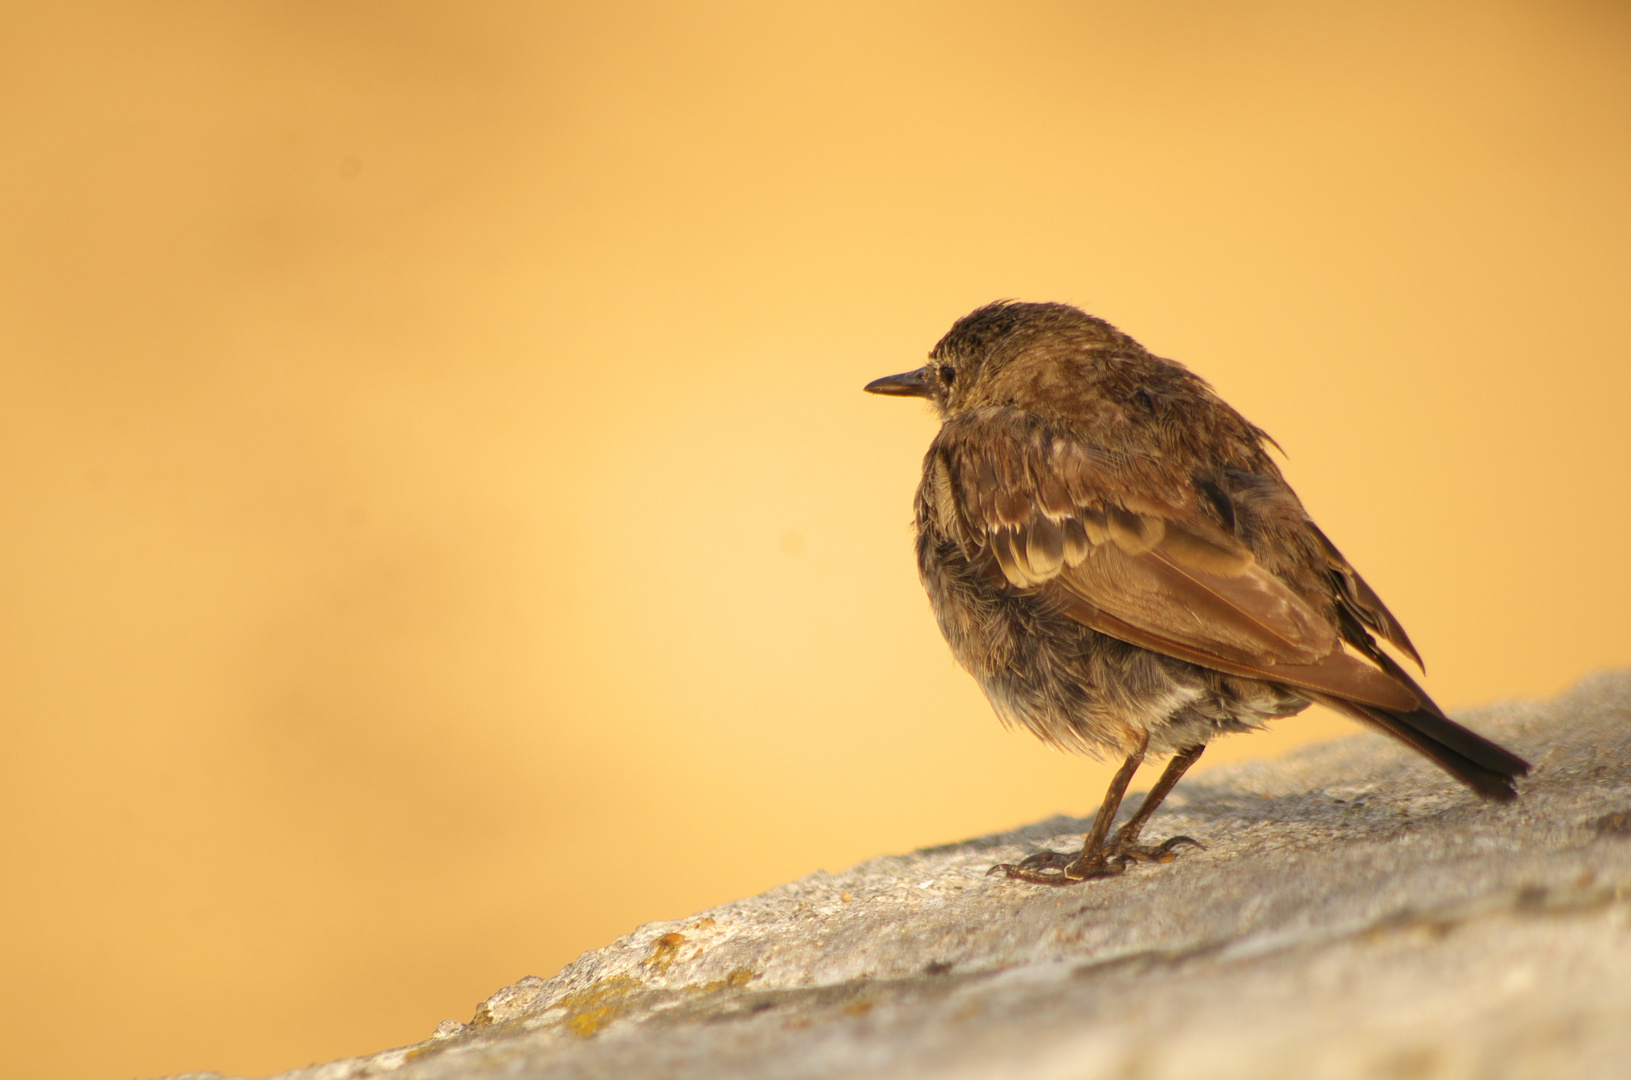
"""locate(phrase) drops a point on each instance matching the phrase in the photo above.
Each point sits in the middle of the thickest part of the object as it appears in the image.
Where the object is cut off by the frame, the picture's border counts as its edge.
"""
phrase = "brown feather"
(1044, 548)
(1134, 533)
(1362, 601)
(1337, 675)
(1222, 558)
(1077, 544)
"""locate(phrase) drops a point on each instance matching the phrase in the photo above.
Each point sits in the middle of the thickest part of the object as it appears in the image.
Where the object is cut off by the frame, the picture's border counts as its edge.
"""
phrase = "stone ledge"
(1355, 914)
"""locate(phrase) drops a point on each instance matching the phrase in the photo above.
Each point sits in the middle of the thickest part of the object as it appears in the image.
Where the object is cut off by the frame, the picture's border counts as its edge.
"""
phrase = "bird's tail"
(1472, 759)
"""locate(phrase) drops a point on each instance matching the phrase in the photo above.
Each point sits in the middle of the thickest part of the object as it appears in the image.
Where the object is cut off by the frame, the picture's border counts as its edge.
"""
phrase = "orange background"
(442, 525)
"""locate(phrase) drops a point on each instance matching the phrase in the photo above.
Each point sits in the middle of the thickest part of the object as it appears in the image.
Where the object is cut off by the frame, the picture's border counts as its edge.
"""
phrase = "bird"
(1115, 558)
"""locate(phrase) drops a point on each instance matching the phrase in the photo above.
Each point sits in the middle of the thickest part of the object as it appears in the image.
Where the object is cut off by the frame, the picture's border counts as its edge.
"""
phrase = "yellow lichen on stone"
(592, 1009)
(734, 981)
(664, 953)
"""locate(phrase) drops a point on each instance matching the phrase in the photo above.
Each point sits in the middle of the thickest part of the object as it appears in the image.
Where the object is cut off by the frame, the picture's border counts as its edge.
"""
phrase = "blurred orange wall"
(442, 525)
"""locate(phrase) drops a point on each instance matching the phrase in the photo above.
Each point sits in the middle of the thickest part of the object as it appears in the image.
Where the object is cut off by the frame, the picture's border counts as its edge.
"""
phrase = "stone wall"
(1355, 914)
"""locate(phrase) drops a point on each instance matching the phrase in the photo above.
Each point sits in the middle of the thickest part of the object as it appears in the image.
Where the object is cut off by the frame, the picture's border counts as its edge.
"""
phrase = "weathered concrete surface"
(1355, 914)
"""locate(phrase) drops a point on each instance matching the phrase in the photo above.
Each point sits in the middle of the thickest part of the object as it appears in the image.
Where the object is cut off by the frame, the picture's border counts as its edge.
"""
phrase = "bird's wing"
(1075, 525)
(1359, 602)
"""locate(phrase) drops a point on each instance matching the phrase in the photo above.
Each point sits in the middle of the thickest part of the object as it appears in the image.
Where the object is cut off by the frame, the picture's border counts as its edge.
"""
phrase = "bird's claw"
(1042, 860)
(1053, 868)
(1160, 853)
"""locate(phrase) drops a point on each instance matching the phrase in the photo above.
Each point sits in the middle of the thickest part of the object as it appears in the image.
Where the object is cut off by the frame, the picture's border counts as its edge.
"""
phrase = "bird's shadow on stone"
(1199, 806)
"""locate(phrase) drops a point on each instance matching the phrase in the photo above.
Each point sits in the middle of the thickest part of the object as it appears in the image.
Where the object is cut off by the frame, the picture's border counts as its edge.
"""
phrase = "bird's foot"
(1053, 868)
(1160, 853)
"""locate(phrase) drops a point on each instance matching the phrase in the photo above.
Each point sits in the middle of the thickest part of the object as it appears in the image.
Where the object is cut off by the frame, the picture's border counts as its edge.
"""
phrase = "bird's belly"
(1081, 690)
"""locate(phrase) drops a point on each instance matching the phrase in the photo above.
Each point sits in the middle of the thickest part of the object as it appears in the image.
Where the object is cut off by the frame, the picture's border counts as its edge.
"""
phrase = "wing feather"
(1052, 517)
(1362, 602)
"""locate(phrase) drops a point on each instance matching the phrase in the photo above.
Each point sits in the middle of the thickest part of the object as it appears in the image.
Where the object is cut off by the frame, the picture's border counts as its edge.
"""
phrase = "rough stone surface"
(1355, 914)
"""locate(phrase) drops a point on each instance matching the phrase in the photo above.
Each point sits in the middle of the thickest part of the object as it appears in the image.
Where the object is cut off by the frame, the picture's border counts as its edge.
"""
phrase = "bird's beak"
(906, 384)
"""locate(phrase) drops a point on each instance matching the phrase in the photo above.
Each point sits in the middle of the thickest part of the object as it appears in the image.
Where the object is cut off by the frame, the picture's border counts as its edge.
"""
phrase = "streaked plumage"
(1113, 555)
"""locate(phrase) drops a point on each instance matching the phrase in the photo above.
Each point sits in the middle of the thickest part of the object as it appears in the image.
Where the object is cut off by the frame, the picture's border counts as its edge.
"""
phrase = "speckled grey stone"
(1355, 914)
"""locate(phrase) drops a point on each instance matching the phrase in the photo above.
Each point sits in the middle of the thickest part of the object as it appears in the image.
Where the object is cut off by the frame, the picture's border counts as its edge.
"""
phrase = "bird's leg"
(1124, 845)
(1051, 868)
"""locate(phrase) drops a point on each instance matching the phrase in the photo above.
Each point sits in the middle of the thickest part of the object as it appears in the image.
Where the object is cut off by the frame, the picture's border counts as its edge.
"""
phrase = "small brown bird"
(1113, 555)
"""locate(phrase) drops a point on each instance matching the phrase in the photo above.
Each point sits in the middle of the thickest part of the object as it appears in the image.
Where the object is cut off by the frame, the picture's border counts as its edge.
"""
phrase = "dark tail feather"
(1472, 759)
(1430, 720)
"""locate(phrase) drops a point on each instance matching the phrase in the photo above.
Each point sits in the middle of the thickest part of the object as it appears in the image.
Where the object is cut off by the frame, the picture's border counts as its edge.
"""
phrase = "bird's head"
(1005, 353)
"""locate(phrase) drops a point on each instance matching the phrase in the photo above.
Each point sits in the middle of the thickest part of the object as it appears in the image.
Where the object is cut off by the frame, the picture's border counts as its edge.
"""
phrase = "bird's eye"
(947, 373)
